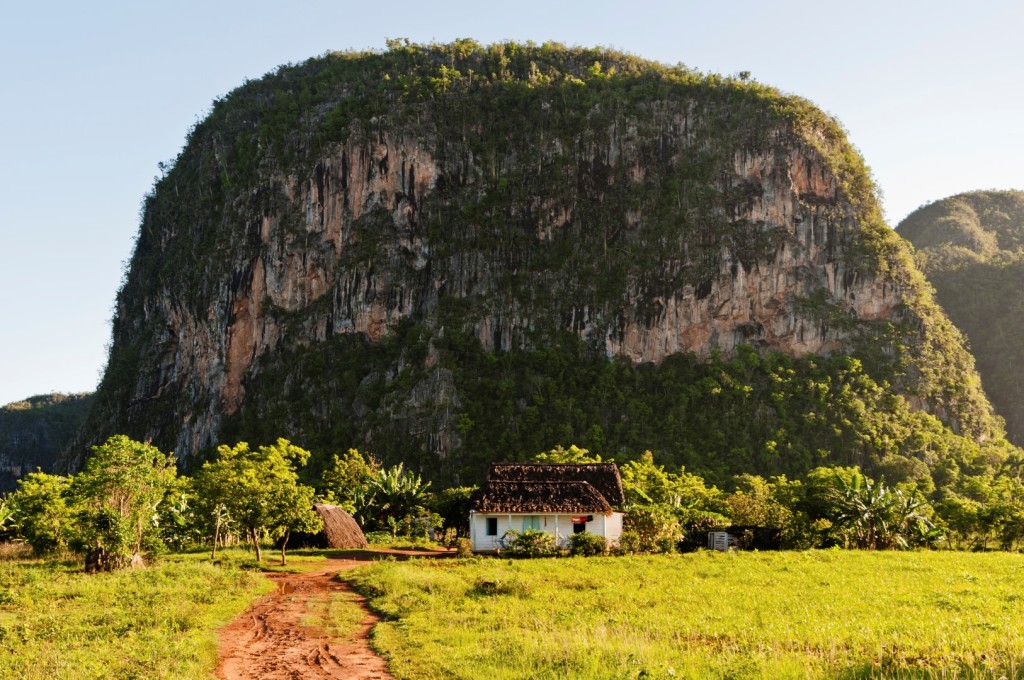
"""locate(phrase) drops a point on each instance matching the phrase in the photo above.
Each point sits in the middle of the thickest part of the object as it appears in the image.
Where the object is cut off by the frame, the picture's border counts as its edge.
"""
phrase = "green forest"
(971, 248)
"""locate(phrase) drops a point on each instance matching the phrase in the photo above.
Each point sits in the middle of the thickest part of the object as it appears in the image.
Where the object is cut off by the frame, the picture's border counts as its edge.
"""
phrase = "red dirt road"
(273, 639)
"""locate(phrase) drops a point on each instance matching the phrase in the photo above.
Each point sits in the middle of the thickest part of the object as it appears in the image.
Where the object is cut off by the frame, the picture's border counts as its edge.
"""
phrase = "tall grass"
(160, 622)
(782, 615)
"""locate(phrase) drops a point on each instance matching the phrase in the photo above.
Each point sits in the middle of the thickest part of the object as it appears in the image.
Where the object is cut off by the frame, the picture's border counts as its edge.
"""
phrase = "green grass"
(750, 615)
(160, 622)
(339, 615)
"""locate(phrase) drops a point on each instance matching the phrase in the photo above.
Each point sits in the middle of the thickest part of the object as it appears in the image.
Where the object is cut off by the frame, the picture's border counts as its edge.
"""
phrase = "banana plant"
(874, 516)
(390, 496)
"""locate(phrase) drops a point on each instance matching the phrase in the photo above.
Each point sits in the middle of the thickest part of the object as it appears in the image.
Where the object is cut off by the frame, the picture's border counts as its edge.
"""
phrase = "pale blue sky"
(94, 95)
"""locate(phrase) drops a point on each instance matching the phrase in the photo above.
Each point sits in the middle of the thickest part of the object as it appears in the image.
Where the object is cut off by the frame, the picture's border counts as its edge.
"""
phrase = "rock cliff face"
(335, 238)
(35, 431)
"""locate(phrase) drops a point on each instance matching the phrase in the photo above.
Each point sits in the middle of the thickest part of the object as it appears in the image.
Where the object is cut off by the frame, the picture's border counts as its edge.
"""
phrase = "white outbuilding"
(561, 499)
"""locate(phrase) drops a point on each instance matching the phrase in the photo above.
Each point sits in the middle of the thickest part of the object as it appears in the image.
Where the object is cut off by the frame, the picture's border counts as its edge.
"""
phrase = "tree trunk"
(256, 545)
(284, 544)
(216, 537)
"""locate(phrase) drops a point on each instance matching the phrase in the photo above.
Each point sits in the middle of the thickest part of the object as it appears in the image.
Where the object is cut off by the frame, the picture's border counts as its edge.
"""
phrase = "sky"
(94, 95)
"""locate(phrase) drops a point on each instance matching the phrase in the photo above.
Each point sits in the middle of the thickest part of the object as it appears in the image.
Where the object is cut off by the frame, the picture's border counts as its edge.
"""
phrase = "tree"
(643, 483)
(756, 502)
(40, 512)
(177, 520)
(391, 496)
(453, 506)
(656, 527)
(347, 473)
(118, 493)
(294, 512)
(260, 491)
(666, 507)
(574, 455)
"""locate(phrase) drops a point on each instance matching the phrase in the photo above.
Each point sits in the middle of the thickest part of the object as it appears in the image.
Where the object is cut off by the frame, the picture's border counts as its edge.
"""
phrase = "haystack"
(340, 531)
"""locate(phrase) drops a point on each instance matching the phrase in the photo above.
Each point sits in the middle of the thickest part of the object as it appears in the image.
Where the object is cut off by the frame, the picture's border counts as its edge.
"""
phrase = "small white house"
(561, 499)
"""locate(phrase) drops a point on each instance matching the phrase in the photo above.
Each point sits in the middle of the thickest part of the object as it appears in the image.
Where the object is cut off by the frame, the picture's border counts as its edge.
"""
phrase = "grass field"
(739, 615)
(831, 614)
(160, 622)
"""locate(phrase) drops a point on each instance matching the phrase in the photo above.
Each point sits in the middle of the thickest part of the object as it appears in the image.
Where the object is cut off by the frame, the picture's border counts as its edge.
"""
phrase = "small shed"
(561, 499)
(340, 531)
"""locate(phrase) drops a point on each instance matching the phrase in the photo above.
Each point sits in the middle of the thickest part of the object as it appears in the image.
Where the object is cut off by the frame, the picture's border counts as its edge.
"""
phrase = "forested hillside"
(971, 248)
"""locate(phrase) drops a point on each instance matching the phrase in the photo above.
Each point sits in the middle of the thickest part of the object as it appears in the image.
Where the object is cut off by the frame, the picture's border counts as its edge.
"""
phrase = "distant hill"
(34, 431)
(971, 248)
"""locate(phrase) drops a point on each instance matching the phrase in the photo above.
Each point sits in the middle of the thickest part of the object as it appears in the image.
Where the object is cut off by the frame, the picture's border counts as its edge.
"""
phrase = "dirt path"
(274, 638)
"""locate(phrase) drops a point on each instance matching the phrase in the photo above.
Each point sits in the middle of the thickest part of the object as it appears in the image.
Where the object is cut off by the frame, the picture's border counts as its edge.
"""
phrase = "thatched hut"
(340, 531)
(560, 499)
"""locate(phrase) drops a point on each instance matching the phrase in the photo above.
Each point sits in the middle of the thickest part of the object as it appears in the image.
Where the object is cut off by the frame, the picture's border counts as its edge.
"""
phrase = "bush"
(379, 537)
(530, 543)
(41, 513)
(463, 547)
(629, 543)
(666, 544)
(587, 544)
(650, 523)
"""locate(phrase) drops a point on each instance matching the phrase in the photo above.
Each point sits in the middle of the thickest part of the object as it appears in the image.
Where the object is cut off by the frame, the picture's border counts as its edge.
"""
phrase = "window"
(531, 522)
(492, 526)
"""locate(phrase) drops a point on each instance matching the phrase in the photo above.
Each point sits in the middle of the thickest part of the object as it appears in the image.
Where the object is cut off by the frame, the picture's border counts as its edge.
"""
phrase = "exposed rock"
(35, 431)
(651, 213)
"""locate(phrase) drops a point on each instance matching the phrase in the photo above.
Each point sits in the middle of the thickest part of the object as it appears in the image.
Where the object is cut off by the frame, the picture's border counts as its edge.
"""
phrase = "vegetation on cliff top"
(511, 126)
(971, 248)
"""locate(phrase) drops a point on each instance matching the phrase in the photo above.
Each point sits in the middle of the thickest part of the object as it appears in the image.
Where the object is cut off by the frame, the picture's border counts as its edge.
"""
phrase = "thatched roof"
(567, 497)
(340, 531)
(602, 476)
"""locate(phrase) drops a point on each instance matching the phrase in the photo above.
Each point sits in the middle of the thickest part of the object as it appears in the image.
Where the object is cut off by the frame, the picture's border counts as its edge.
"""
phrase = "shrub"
(651, 523)
(666, 544)
(530, 543)
(629, 543)
(40, 510)
(463, 547)
(587, 544)
(379, 537)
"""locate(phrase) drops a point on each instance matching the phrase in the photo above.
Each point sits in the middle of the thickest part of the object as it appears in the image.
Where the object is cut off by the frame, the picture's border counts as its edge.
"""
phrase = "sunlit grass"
(809, 614)
(159, 622)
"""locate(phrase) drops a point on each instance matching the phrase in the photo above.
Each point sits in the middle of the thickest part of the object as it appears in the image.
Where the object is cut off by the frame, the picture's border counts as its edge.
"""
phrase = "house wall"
(609, 526)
